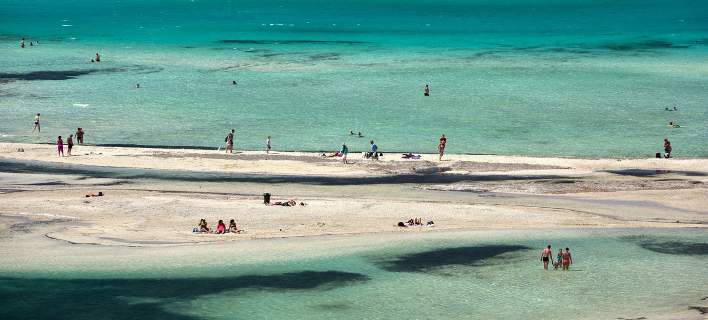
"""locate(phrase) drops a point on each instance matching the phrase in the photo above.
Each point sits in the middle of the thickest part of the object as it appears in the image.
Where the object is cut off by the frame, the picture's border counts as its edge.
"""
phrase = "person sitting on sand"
(402, 224)
(220, 227)
(430, 223)
(203, 226)
(233, 228)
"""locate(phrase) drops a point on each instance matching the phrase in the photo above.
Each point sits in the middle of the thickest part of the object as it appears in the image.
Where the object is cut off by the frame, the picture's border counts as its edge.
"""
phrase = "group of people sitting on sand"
(415, 222)
(221, 228)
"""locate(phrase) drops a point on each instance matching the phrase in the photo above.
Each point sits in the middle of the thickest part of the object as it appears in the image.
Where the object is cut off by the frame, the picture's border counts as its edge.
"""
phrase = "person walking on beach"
(80, 135)
(426, 91)
(566, 259)
(36, 124)
(546, 257)
(230, 141)
(441, 147)
(267, 145)
(344, 151)
(69, 144)
(60, 146)
(667, 148)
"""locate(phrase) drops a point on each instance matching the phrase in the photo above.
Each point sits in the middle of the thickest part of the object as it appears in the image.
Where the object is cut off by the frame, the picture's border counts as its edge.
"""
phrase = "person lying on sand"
(100, 194)
(332, 155)
(410, 156)
(233, 228)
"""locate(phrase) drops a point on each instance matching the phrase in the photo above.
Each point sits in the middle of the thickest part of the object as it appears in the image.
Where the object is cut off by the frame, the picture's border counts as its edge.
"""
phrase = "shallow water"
(474, 275)
(584, 78)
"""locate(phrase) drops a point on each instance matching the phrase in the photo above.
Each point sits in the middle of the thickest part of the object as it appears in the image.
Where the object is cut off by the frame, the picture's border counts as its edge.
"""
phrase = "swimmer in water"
(22, 43)
(137, 86)
(351, 132)
(98, 57)
(673, 125)
(359, 134)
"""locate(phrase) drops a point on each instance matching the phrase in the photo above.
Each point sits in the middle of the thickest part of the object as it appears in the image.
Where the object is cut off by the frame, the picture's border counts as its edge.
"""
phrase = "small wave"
(82, 105)
(67, 25)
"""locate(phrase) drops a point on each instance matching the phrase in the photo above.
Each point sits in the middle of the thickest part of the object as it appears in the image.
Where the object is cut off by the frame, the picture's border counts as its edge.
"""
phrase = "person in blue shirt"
(373, 153)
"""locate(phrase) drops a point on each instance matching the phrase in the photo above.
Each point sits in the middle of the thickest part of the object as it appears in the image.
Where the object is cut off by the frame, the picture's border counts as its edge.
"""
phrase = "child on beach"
(60, 146)
(558, 259)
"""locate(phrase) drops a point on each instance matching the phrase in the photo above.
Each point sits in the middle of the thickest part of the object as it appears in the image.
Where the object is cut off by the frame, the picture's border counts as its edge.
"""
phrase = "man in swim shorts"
(546, 257)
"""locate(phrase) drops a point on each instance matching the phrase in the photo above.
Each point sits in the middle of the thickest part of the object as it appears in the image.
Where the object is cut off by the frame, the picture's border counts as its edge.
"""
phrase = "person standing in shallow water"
(36, 124)
(441, 147)
(268, 145)
(426, 91)
(80, 135)
(60, 146)
(230, 141)
(566, 259)
(546, 256)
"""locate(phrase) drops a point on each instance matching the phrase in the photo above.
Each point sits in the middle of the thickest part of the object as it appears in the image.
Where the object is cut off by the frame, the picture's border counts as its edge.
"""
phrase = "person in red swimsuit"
(566, 259)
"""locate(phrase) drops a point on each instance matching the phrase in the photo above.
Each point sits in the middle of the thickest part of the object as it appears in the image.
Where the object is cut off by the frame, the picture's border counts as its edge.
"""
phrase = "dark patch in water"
(676, 247)
(58, 75)
(111, 298)
(434, 259)
(332, 306)
(13, 166)
(324, 56)
(654, 173)
(642, 45)
(247, 41)
(701, 310)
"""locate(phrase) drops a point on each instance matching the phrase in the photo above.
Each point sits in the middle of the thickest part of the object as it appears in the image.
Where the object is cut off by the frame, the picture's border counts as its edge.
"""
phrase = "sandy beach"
(170, 190)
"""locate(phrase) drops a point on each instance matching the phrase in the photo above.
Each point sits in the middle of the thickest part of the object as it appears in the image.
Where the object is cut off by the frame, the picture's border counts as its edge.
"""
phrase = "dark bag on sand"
(266, 198)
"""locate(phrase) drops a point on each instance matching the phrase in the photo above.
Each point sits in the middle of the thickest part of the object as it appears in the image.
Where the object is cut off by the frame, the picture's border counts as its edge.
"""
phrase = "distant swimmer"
(233, 82)
(98, 57)
(22, 43)
(426, 91)
(137, 86)
(31, 44)
(359, 134)
(36, 124)
(673, 125)
(351, 132)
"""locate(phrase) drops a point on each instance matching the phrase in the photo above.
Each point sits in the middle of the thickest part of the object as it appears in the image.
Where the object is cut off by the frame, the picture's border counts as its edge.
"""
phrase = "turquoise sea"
(546, 77)
(616, 274)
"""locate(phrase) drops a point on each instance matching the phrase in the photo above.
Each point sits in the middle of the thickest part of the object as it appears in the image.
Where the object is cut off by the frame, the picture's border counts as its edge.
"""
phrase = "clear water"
(475, 275)
(584, 78)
